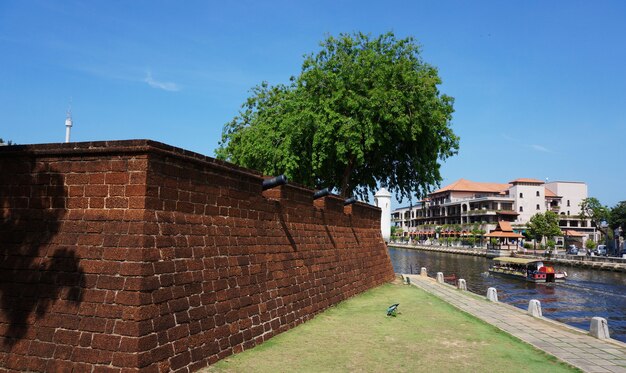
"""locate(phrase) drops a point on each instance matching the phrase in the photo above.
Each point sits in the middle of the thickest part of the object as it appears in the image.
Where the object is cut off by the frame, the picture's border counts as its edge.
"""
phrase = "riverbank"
(443, 249)
(592, 262)
(427, 335)
(585, 294)
(569, 344)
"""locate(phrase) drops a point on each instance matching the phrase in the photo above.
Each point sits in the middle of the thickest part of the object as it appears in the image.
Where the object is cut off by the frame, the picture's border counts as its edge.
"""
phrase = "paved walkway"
(568, 344)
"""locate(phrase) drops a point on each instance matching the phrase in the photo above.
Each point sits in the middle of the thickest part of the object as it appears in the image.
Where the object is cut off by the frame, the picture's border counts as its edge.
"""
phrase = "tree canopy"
(364, 112)
(591, 208)
(544, 225)
(617, 217)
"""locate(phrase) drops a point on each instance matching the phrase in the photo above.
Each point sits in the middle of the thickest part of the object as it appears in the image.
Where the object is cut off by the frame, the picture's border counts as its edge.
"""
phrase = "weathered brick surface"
(136, 256)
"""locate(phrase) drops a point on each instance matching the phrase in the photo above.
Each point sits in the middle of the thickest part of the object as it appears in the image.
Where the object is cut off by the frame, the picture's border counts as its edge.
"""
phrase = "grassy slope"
(428, 335)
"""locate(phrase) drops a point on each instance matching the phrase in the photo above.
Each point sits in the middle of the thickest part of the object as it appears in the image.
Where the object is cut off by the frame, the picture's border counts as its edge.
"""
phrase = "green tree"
(2, 142)
(544, 225)
(438, 230)
(478, 232)
(617, 217)
(536, 227)
(363, 112)
(591, 208)
(552, 221)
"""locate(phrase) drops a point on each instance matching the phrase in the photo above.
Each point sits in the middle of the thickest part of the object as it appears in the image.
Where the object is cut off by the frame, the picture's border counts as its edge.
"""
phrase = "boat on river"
(532, 270)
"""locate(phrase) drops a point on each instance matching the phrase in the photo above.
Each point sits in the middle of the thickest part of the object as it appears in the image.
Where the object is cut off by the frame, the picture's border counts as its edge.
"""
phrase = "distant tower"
(68, 125)
(383, 200)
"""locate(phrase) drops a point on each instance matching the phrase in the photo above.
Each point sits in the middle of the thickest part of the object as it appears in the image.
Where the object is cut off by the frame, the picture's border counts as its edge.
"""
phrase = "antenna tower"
(68, 122)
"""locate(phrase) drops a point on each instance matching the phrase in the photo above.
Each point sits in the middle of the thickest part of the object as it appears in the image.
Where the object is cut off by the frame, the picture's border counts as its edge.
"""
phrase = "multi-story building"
(465, 203)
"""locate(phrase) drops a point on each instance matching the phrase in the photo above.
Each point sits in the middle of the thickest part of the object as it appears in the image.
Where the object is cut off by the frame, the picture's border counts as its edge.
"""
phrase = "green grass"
(427, 335)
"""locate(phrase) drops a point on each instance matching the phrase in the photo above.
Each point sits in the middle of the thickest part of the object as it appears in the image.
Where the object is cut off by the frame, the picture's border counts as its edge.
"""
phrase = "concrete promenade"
(568, 344)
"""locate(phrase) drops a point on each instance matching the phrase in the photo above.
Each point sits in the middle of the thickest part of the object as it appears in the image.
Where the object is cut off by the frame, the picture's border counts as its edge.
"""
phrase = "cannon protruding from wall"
(321, 193)
(349, 201)
(274, 182)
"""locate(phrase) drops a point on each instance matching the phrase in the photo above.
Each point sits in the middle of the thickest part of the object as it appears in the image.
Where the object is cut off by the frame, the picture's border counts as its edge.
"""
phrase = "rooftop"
(463, 185)
(550, 193)
(527, 180)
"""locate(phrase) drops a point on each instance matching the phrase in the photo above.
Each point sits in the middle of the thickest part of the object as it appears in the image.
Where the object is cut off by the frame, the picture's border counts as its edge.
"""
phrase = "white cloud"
(537, 147)
(166, 86)
(507, 137)
(540, 148)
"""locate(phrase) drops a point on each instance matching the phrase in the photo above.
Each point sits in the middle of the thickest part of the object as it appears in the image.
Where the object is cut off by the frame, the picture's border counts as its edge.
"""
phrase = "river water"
(585, 294)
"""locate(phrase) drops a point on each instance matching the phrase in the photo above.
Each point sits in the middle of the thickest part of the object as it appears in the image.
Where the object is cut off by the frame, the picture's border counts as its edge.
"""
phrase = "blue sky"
(540, 86)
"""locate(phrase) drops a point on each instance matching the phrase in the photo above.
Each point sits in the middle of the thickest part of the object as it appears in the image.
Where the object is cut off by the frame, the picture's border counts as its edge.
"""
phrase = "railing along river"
(585, 294)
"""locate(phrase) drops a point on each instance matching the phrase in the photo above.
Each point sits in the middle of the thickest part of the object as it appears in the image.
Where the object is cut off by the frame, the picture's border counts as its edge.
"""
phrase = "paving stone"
(616, 369)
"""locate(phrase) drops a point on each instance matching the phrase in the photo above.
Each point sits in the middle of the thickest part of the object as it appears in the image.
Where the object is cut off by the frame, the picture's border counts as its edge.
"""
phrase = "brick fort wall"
(134, 256)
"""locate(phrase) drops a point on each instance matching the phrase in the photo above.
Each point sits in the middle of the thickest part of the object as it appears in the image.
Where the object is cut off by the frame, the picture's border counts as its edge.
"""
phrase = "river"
(585, 294)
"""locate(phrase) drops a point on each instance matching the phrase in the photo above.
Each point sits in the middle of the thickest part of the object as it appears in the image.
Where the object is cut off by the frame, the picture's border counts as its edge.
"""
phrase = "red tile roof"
(550, 193)
(504, 226)
(572, 233)
(499, 234)
(504, 230)
(463, 185)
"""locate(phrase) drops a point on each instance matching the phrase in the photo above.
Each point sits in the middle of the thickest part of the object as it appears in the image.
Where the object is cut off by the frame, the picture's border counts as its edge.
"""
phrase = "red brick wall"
(136, 256)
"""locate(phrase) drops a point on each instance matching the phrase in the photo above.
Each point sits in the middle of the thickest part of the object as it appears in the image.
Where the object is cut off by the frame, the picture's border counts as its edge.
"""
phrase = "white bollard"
(534, 308)
(461, 284)
(599, 328)
(492, 294)
(423, 272)
(440, 277)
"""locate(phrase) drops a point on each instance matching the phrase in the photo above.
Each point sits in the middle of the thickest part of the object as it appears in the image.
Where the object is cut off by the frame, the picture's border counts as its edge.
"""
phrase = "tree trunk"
(345, 179)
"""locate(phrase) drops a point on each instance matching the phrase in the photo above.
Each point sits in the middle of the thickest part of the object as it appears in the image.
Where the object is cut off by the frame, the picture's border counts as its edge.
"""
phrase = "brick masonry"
(134, 256)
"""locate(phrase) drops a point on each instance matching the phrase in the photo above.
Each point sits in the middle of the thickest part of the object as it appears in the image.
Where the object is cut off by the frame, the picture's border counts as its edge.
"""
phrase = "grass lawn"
(427, 335)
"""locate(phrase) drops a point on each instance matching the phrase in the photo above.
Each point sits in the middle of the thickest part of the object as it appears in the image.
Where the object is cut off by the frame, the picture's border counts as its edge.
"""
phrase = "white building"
(465, 203)
(383, 201)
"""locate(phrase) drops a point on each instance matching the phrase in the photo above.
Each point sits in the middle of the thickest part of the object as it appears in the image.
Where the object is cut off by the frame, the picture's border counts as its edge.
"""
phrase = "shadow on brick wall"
(37, 267)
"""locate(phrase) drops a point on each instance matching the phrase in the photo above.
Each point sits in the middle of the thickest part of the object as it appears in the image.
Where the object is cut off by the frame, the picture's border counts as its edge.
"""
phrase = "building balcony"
(482, 198)
(480, 212)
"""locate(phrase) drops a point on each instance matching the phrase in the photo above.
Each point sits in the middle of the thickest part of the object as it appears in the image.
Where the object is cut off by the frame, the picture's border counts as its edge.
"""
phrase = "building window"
(538, 208)
(521, 209)
(568, 203)
(521, 195)
(537, 193)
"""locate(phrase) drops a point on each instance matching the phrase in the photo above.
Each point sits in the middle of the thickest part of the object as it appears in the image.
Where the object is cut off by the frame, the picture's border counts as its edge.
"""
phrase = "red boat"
(533, 270)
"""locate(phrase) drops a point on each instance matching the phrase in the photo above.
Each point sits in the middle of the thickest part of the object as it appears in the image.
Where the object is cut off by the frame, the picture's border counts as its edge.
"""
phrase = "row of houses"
(465, 204)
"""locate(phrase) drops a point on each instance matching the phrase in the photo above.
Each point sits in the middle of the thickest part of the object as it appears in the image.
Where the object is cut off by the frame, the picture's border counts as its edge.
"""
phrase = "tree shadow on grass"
(36, 269)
